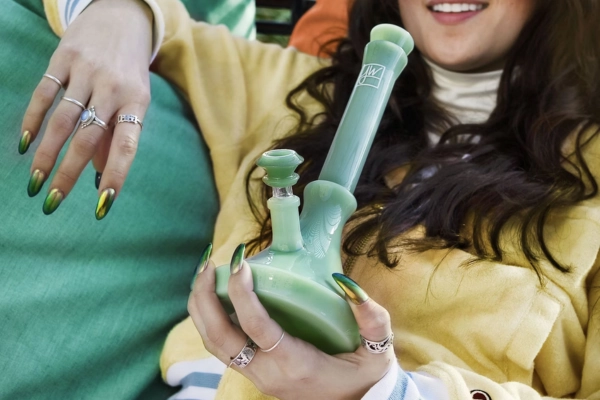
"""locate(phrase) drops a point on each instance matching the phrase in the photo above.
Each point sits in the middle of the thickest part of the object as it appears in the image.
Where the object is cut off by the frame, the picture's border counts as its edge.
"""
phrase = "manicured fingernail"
(105, 202)
(53, 200)
(237, 260)
(36, 181)
(202, 264)
(98, 179)
(351, 288)
(24, 142)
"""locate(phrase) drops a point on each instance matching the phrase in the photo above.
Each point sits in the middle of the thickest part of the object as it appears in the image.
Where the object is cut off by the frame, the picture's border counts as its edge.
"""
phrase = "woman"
(478, 205)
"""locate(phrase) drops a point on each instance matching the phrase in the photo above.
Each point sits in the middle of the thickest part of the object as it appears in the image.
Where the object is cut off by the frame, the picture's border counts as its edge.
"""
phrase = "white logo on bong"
(371, 75)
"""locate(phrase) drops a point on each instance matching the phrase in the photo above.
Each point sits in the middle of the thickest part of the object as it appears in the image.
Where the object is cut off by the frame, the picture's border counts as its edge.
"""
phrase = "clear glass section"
(283, 192)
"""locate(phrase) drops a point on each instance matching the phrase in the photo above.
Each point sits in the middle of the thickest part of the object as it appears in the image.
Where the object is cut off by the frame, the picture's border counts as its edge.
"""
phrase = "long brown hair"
(550, 89)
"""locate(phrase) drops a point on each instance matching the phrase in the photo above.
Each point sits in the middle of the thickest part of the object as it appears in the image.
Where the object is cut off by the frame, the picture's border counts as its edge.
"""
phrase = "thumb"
(373, 320)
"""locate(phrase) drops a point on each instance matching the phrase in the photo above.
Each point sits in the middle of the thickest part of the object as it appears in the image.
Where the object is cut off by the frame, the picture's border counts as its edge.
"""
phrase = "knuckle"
(87, 65)
(62, 122)
(142, 96)
(65, 177)
(215, 336)
(115, 86)
(115, 174)
(379, 320)
(44, 158)
(66, 51)
(84, 144)
(254, 326)
(45, 94)
(128, 145)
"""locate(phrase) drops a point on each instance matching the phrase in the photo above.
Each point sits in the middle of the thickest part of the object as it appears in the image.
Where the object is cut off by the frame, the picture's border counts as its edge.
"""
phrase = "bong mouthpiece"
(385, 57)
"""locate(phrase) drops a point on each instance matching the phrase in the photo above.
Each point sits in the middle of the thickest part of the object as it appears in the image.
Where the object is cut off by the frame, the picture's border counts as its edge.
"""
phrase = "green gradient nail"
(105, 202)
(351, 288)
(36, 181)
(53, 200)
(202, 264)
(24, 142)
(237, 260)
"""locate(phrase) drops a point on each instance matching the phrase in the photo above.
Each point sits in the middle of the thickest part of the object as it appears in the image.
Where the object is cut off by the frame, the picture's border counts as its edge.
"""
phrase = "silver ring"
(88, 117)
(275, 345)
(55, 79)
(246, 355)
(130, 118)
(377, 347)
(77, 103)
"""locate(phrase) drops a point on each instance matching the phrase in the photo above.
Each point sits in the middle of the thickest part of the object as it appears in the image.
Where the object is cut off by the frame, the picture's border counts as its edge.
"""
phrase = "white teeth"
(456, 7)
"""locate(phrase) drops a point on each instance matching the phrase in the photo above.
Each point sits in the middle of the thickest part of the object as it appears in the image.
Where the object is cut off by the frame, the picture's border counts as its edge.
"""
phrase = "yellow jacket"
(489, 326)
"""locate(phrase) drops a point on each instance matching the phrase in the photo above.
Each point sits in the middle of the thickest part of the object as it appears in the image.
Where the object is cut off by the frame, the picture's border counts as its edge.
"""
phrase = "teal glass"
(293, 277)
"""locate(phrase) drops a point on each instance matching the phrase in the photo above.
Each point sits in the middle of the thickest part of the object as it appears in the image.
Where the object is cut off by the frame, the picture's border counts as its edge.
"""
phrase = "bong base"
(303, 308)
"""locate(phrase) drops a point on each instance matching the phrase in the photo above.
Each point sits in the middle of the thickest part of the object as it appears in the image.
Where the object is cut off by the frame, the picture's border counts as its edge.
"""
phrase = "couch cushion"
(85, 305)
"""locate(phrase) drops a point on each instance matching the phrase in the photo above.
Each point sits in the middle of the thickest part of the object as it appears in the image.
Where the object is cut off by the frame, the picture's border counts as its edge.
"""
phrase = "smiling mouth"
(457, 7)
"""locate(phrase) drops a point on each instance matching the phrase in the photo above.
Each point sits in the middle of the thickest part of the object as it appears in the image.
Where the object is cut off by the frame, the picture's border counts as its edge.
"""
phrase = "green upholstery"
(237, 15)
(85, 305)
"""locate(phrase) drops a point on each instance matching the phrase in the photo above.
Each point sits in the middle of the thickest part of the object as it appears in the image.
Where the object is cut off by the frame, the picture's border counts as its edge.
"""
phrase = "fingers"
(123, 146)
(41, 101)
(252, 316)
(60, 126)
(373, 320)
(221, 337)
(82, 148)
(100, 158)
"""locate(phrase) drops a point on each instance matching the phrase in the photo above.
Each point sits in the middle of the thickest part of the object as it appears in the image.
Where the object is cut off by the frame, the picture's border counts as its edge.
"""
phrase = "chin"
(462, 63)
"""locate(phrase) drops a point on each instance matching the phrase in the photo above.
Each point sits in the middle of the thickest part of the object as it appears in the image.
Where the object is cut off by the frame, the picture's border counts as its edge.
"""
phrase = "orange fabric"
(326, 20)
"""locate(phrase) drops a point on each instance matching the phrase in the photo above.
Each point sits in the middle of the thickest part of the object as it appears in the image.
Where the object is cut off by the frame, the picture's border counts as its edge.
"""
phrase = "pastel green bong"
(292, 277)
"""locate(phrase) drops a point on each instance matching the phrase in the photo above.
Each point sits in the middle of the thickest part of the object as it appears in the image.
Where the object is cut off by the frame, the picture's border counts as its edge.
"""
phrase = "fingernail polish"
(36, 181)
(105, 202)
(351, 288)
(98, 179)
(24, 142)
(204, 258)
(53, 200)
(237, 260)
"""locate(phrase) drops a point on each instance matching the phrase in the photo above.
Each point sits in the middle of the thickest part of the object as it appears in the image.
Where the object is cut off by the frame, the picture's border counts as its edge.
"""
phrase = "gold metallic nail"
(237, 260)
(351, 288)
(202, 264)
(36, 181)
(105, 202)
(24, 142)
(53, 200)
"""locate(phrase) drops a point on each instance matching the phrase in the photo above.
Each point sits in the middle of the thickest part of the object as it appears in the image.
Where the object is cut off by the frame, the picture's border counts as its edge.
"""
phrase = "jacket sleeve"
(577, 245)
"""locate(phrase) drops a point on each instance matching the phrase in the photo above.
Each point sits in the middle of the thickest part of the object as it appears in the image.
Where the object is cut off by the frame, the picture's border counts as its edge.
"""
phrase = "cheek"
(415, 20)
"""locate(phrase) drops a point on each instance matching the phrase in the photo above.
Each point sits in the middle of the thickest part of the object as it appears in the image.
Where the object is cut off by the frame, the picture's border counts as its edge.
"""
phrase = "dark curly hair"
(549, 90)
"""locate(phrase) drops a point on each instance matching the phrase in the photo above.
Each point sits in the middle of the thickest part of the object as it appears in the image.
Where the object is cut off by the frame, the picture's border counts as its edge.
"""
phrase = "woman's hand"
(102, 61)
(293, 369)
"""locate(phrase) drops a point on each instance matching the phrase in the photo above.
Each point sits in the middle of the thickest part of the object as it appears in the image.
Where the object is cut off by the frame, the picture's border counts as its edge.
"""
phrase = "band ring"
(275, 345)
(246, 354)
(55, 79)
(77, 103)
(130, 118)
(88, 117)
(377, 347)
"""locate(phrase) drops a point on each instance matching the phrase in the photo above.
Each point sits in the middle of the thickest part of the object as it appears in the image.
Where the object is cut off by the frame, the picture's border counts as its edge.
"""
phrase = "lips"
(452, 12)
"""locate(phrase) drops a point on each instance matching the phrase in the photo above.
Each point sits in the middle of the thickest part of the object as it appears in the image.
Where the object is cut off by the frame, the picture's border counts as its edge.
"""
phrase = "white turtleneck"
(470, 98)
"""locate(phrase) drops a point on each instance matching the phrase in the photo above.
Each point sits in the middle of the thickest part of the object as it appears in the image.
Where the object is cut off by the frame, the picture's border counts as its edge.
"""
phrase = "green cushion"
(238, 15)
(85, 305)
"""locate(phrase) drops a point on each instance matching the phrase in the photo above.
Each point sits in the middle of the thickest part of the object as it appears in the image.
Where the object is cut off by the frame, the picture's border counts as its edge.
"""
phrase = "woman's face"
(465, 35)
